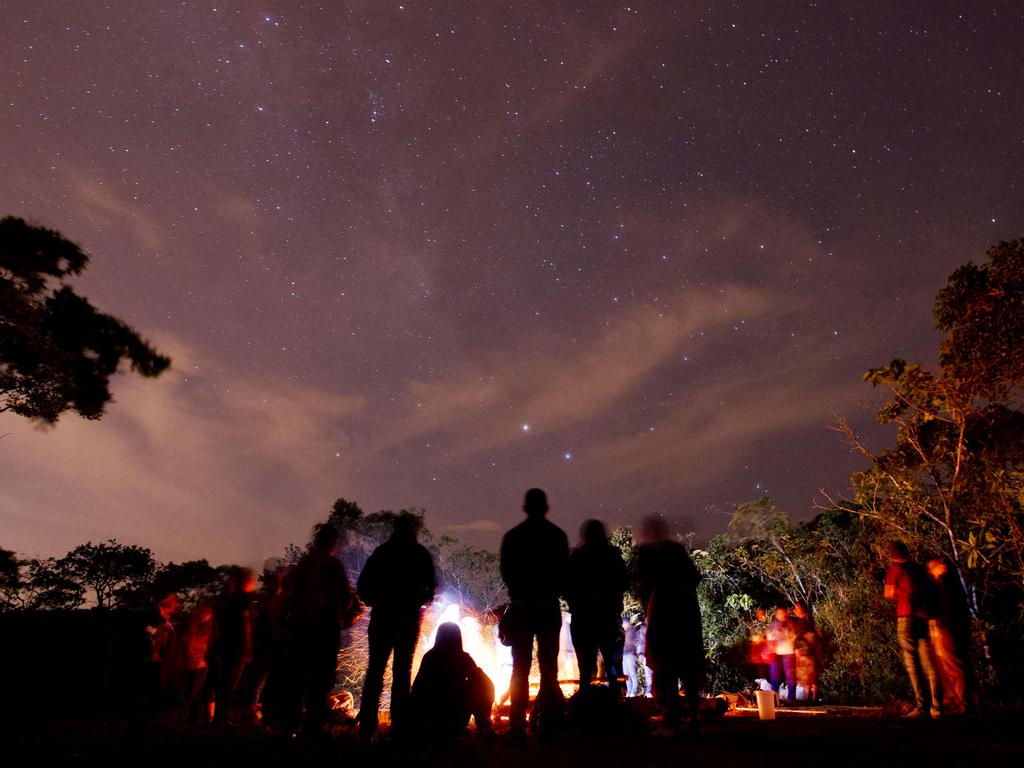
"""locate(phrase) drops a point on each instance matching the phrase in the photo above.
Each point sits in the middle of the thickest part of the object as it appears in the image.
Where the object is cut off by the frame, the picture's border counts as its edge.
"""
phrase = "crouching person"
(448, 690)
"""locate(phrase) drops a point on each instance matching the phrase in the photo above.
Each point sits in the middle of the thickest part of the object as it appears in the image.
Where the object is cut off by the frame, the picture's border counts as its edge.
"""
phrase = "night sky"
(432, 254)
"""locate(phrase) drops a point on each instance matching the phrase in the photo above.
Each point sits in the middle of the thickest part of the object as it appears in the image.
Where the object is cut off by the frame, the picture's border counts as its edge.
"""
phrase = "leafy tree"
(860, 657)
(10, 580)
(57, 351)
(981, 310)
(777, 552)
(726, 615)
(48, 587)
(473, 574)
(191, 581)
(953, 483)
(623, 539)
(107, 569)
(834, 565)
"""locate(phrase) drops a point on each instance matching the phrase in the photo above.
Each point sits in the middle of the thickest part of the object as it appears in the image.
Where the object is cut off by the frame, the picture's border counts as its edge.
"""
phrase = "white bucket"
(765, 704)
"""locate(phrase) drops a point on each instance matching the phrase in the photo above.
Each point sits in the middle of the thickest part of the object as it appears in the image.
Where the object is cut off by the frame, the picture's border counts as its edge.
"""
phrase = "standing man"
(667, 582)
(906, 583)
(534, 557)
(321, 604)
(594, 589)
(397, 581)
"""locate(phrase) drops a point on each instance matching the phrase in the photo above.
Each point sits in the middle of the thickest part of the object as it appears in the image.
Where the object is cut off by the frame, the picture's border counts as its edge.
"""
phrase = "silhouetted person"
(321, 604)
(231, 643)
(258, 669)
(534, 558)
(595, 585)
(449, 688)
(907, 584)
(396, 582)
(158, 646)
(667, 584)
(950, 631)
(280, 697)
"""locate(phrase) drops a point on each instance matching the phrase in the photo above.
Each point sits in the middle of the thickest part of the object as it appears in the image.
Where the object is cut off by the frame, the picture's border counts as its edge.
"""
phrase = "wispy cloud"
(567, 382)
(106, 209)
(184, 460)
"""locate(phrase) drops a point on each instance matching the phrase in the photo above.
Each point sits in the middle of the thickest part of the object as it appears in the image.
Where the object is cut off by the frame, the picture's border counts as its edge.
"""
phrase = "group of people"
(933, 627)
(275, 652)
(206, 657)
(785, 649)
(538, 568)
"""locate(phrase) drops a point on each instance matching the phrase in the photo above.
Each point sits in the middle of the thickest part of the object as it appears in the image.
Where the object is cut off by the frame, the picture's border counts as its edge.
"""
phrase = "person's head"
(535, 503)
(246, 580)
(325, 537)
(449, 638)
(653, 529)
(898, 552)
(406, 526)
(781, 614)
(937, 567)
(592, 532)
(167, 604)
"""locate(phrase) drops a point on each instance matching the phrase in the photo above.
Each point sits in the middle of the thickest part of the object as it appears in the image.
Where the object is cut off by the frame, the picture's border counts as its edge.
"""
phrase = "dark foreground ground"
(824, 737)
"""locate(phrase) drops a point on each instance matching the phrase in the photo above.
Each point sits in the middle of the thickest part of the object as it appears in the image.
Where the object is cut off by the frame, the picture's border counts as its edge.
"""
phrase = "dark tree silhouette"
(57, 351)
(107, 568)
(47, 587)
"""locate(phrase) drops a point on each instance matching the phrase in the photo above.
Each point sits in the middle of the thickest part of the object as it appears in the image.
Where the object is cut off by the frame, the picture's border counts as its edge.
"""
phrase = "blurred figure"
(641, 660)
(157, 657)
(194, 647)
(950, 632)
(629, 657)
(781, 638)
(231, 642)
(595, 586)
(907, 584)
(320, 604)
(761, 653)
(807, 651)
(667, 583)
(534, 557)
(397, 581)
(258, 669)
(634, 659)
(449, 688)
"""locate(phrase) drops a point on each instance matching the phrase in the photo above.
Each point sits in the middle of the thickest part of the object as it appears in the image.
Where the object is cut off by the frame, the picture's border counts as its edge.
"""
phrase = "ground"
(823, 737)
